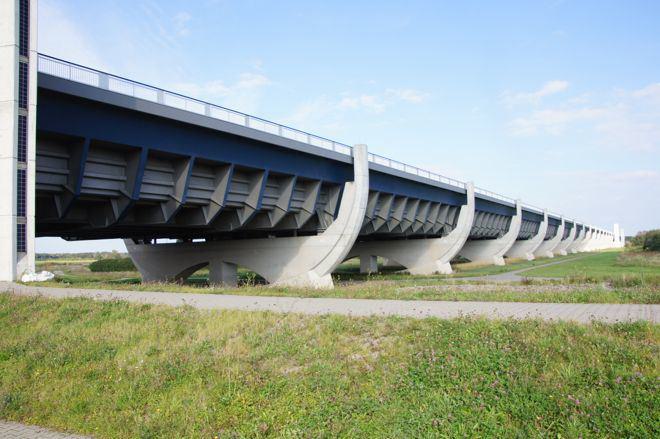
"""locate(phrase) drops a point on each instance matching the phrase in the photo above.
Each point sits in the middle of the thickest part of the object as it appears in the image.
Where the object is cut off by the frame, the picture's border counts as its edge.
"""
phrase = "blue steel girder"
(491, 217)
(111, 165)
(553, 227)
(568, 226)
(531, 222)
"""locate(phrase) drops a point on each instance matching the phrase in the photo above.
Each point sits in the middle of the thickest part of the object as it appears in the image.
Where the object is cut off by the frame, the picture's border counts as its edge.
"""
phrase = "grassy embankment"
(616, 267)
(608, 277)
(121, 370)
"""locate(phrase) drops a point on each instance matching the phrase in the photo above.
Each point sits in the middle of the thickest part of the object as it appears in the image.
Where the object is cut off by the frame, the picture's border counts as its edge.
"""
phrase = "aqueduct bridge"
(96, 156)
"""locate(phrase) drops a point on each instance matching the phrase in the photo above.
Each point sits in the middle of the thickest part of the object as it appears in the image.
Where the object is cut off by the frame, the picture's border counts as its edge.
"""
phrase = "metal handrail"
(531, 206)
(96, 78)
(393, 164)
(495, 195)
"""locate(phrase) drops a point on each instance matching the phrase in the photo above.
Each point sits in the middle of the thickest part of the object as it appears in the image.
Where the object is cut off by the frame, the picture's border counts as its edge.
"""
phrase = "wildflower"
(575, 401)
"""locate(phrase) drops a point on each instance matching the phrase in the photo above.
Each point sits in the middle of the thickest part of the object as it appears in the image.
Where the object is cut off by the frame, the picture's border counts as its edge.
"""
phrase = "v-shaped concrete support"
(492, 251)
(563, 245)
(577, 242)
(292, 261)
(422, 256)
(525, 248)
(548, 246)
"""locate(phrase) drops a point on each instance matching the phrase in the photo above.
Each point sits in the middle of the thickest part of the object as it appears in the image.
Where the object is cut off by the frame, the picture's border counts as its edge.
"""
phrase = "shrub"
(114, 264)
(637, 240)
(652, 240)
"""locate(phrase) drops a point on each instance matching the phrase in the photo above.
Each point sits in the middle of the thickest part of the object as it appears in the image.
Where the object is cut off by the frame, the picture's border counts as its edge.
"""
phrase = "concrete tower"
(18, 105)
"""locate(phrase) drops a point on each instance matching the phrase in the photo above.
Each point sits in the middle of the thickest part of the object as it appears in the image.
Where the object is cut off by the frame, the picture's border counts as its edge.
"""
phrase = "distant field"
(629, 268)
(64, 261)
(351, 269)
(623, 277)
(121, 370)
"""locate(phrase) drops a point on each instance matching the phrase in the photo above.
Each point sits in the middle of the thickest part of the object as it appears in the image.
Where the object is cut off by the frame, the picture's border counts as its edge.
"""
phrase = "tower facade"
(18, 105)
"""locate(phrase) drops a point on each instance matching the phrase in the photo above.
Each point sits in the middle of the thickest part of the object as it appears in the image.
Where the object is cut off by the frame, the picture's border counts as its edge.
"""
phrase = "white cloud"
(248, 81)
(242, 95)
(181, 21)
(553, 121)
(369, 102)
(61, 37)
(157, 25)
(218, 89)
(326, 112)
(635, 175)
(650, 91)
(320, 112)
(608, 177)
(626, 120)
(407, 95)
(549, 88)
(161, 27)
(625, 196)
(631, 130)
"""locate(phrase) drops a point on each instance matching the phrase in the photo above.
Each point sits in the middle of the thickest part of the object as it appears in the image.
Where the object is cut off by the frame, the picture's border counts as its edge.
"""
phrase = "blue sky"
(554, 102)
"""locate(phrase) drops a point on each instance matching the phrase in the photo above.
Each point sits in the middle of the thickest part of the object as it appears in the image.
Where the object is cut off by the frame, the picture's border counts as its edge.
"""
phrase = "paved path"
(22, 431)
(514, 275)
(578, 312)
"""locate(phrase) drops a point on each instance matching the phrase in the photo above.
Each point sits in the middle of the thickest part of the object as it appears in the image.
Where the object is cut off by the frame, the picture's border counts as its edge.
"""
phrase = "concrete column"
(562, 247)
(223, 273)
(606, 240)
(545, 250)
(8, 136)
(425, 256)
(617, 234)
(586, 242)
(595, 242)
(14, 261)
(612, 241)
(577, 242)
(525, 248)
(388, 263)
(293, 261)
(368, 264)
(492, 251)
(601, 240)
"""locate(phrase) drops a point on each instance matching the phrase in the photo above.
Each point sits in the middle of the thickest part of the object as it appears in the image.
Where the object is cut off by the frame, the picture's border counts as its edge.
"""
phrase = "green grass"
(112, 264)
(628, 287)
(120, 370)
(400, 290)
(616, 267)
(471, 269)
(550, 293)
(63, 261)
(350, 270)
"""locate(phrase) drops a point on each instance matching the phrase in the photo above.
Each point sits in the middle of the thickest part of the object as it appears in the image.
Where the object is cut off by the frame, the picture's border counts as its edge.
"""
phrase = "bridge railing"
(495, 195)
(95, 78)
(532, 207)
(393, 164)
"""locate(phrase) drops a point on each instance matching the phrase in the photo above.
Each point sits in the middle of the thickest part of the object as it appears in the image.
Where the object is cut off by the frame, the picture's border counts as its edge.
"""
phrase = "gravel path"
(22, 431)
(577, 312)
(514, 276)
